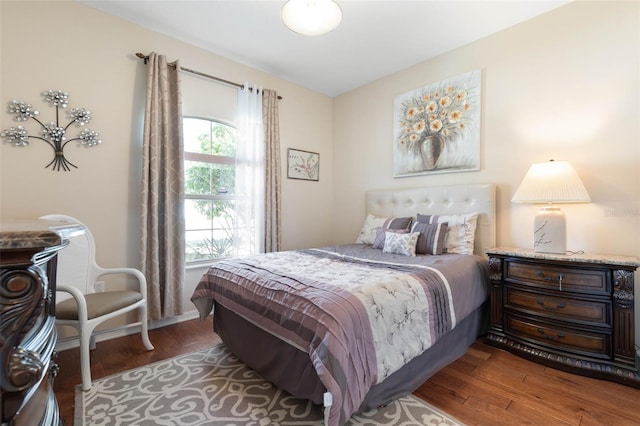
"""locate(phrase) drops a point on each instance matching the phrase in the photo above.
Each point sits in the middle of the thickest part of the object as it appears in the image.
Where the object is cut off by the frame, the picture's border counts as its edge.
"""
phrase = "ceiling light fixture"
(311, 17)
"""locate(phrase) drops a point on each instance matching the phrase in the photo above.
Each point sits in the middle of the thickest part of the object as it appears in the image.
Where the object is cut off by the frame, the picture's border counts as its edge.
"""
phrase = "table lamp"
(551, 182)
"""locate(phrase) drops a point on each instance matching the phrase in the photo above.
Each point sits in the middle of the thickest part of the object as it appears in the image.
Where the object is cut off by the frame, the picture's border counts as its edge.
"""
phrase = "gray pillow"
(461, 230)
(432, 239)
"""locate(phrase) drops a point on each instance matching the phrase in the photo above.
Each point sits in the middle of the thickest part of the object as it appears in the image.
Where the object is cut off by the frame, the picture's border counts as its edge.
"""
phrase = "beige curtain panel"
(163, 223)
(273, 197)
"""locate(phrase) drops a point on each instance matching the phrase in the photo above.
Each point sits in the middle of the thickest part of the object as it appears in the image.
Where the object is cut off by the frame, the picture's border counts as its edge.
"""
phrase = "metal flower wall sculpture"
(53, 133)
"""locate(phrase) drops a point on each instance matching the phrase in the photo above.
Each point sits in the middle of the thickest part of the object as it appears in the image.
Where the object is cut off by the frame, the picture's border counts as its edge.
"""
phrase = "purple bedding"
(361, 315)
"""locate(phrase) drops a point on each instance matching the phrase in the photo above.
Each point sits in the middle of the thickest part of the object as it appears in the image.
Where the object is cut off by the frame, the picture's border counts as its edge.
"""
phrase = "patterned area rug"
(212, 387)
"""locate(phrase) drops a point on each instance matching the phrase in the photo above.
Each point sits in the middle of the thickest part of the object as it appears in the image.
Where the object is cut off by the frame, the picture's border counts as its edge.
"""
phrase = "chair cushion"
(98, 304)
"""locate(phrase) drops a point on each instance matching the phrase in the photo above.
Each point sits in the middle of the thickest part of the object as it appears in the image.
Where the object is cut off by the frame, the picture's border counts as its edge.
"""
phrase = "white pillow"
(404, 244)
(461, 233)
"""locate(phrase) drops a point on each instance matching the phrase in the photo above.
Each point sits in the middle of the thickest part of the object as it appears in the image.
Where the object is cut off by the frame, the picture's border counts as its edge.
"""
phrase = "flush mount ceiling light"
(311, 17)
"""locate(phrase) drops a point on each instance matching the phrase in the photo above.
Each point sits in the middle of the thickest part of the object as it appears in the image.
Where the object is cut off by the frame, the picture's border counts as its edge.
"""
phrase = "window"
(209, 167)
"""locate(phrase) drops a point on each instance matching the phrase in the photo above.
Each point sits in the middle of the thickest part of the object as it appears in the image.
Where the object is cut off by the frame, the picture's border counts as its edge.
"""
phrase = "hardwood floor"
(487, 386)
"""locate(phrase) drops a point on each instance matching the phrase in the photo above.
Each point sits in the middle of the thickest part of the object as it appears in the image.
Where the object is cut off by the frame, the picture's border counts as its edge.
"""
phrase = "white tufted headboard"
(444, 200)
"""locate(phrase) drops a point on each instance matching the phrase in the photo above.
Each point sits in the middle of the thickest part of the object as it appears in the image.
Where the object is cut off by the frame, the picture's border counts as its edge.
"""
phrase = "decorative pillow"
(432, 237)
(378, 243)
(404, 244)
(461, 230)
(368, 232)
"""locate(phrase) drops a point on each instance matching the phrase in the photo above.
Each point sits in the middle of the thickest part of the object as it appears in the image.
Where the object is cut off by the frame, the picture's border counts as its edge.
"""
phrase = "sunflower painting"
(437, 127)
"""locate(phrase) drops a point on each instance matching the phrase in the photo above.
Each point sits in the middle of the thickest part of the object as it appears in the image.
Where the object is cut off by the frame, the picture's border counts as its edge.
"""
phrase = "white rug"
(212, 387)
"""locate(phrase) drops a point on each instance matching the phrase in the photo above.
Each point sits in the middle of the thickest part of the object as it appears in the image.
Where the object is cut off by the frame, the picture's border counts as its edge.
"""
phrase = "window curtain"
(273, 201)
(163, 223)
(250, 173)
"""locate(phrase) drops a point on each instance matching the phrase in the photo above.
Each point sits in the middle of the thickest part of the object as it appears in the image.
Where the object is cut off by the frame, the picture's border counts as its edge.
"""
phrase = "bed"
(355, 326)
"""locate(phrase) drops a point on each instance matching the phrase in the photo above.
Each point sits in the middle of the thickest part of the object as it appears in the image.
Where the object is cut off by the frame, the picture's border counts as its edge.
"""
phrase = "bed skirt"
(291, 369)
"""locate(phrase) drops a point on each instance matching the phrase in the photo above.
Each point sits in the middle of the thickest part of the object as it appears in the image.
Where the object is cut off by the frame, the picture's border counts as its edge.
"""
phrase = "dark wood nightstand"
(571, 312)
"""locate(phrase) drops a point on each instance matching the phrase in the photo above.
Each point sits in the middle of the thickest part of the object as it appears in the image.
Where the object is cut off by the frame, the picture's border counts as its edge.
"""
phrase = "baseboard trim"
(66, 343)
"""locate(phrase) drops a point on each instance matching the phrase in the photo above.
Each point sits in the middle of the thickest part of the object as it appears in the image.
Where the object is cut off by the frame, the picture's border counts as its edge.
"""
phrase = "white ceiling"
(375, 39)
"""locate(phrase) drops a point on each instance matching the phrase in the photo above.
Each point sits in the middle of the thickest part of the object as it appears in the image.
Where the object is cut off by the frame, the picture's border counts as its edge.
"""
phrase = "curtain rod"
(201, 74)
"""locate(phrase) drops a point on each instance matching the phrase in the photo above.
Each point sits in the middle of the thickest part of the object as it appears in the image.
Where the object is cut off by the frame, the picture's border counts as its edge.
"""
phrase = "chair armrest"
(142, 281)
(79, 298)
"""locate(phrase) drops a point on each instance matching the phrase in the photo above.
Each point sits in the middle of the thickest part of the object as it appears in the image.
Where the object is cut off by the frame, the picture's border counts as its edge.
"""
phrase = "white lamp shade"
(552, 181)
(311, 17)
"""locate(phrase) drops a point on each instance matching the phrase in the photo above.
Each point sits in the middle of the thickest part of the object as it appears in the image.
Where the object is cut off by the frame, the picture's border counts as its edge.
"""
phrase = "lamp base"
(549, 231)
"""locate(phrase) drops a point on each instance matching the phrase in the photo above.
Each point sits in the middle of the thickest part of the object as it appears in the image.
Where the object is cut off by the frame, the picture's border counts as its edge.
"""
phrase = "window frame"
(208, 159)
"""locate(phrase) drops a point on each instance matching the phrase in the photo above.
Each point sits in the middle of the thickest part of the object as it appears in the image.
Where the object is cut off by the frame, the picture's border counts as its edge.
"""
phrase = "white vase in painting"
(431, 150)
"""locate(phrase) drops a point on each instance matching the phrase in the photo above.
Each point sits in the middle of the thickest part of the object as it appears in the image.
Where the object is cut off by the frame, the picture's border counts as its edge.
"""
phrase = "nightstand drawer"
(584, 312)
(591, 281)
(589, 343)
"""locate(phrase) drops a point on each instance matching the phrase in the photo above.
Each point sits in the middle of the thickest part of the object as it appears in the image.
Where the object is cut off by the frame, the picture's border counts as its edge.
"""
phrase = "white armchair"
(77, 274)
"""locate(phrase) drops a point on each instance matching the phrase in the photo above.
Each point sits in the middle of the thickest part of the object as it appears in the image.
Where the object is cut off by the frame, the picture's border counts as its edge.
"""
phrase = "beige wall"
(562, 86)
(89, 54)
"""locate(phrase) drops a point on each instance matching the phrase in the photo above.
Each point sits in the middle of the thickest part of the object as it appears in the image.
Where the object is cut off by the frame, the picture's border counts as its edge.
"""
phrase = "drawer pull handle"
(550, 308)
(559, 278)
(550, 336)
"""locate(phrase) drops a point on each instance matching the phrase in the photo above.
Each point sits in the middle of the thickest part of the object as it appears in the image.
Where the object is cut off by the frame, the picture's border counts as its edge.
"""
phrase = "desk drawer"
(589, 343)
(586, 312)
(590, 281)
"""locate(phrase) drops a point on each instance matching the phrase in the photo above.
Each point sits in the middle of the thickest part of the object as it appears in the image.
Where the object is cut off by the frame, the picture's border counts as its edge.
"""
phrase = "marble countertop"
(20, 234)
(578, 257)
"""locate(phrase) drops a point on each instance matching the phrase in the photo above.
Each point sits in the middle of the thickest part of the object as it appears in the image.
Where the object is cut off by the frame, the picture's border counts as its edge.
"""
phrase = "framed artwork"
(303, 164)
(437, 127)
